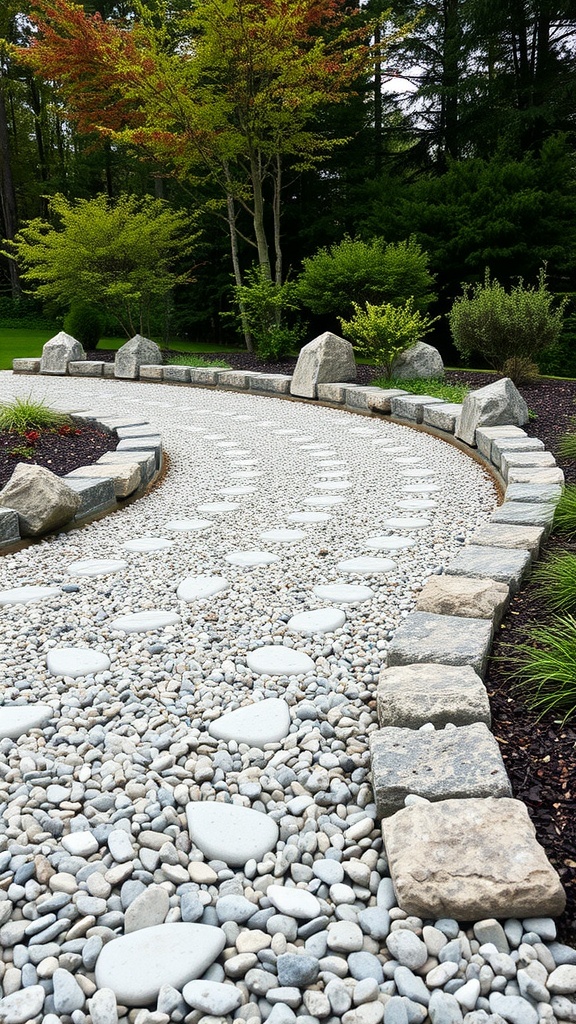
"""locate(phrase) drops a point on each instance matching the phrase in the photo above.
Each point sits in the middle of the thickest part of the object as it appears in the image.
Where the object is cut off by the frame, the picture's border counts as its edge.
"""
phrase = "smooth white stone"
(236, 491)
(246, 474)
(312, 447)
(416, 474)
(389, 543)
(147, 544)
(326, 453)
(395, 450)
(17, 719)
(324, 500)
(141, 622)
(332, 474)
(212, 997)
(248, 558)
(215, 437)
(330, 463)
(189, 525)
(344, 593)
(76, 661)
(228, 444)
(308, 517)
(422, 488)
(416, 503)
(277, 660)
(366, 564)
(265, 721)
(135, 966)
(407, 460)
(218, 506)
(303, 439)
(243, 463)
(294, 902)
(283, 536)
(230, 833)
(25, 595)
(406, 523)
(362, 431)
(96, 566)
(80, 844)
(333, 485)
(194, 588)
(284, 431)
(321, 620)
(242, 453)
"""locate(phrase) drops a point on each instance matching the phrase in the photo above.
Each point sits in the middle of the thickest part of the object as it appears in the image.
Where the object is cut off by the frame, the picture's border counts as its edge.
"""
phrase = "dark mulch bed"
(56, 452)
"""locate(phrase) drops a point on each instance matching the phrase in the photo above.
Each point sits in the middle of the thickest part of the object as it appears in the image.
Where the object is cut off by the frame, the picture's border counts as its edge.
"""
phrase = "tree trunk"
(8, 195)
(449, 142)
(259, 230)
(230, 209)
(277, 208)
(378, 100)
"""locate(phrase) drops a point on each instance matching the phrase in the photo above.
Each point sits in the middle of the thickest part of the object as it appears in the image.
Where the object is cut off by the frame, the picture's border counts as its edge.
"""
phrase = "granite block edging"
(99, 491)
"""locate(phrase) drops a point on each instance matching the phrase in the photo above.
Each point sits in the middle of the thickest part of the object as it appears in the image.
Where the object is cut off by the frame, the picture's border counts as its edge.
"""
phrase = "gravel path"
(96, 815)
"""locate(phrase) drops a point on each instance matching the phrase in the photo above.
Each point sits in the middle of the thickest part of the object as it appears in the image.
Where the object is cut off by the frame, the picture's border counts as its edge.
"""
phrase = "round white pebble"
(141, 622)
(277, 660)
(344, 593)
(96, 566)
(76, 661)
(283, 536)
(365, 565)
(189, 525)
(249, 558)
(392, 543)
(25, 595)
(308, 517)
(146, 545)
(406, 523)
(321, 620)
(194, 588)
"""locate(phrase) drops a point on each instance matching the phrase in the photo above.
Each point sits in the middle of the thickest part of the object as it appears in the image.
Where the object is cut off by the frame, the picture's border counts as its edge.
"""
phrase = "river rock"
(230, 833)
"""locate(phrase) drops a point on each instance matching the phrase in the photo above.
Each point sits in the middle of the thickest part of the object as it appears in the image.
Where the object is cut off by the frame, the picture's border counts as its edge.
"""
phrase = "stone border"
(444, 635)
(138, 459)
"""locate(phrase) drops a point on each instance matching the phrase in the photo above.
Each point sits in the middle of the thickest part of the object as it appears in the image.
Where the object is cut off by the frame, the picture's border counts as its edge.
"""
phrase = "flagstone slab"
(189, 525)
(389, 543)
(230, 833)
(196, 588)
(27, 594)
(96, 566)
(505, 565)
(277, 660)
(18, 719)
(147, 545)
(366, 565)
(443, 639)
(251, 558)
(264, 721)
(314, 623)
(344, 593)
(409, 696)
(76, 661)
(406, 523)
(218, 507)
(142, 622)
(137, 965)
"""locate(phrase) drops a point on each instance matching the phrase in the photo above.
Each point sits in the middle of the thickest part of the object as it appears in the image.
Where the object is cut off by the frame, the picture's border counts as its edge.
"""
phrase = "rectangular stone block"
(411, 407)
(237, 379)
(86, 368)
(134, 444)
(26, 365)
(108, 371)
(464, 596)
(552, 475)
(204, 375)
(525, 513)
(446, 764)
(151, 371)
(525, 460)
(501, 564)
(443, 416)
(500, 445)
(533, 493)
(505, 535)
(357, 398)
(485, 436)
(408, 696)
(176, 374)
(9, 528)
(335, 393)
(97, 494)
(146, 461)
(273, 383)
(443, 639)
(470, 860)
(380, 399)
(143, 430)
(126, 477)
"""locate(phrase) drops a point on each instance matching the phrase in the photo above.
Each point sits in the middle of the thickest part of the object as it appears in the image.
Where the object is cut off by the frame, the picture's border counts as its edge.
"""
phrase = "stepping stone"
(137, 965)
(228, 444)
(366, 565)
(230, 833)
(141, 622)
(303, 439)
(195, 588)
(189, 525)
(146, 545)
(241, 453)
(321, 620)
(244, 463)
(389, 543)
(409, 696)
(394, 450)
(308, 517)
(470, 860)
(344, 593)
(218, 506)
(277, 660)
(250, 558)
(76, 661)
(294, 902)
(362, 431)
(406, 523)
(407, 460)
(25, 595)
(442, 639)
(237, 491)
(333, 474)
(96, 566)
(416, 503)
(333, 485)
(416, 474)
(445, 764)
(505, 565)
(284, 431)
(264, 721)
(422, 488)
(323, 500)
(327, 463)
(18, 719)
(214, 437)
(283, 536)
(246, 474)
(312, 447)
(326, 454)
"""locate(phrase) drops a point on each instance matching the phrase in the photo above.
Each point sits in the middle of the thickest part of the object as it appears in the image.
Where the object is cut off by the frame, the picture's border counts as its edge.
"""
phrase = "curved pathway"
(270, 568)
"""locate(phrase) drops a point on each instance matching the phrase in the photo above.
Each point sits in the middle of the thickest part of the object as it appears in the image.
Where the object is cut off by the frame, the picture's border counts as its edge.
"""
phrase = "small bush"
(546, 666)
(555, 581)
(565, 513)
(506, 328)
(84, 323)
(521, 370)
(266, 309)
(24, 414)
(380, 333)
(189, 359)
(434, 386)
(24, 313)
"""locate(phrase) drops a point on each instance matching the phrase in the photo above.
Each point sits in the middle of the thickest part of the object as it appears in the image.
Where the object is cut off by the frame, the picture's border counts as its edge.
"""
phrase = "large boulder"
(419, 362)
(58, 352)
(326, 360)
(135, 353)
(495, 404)
(41, 499)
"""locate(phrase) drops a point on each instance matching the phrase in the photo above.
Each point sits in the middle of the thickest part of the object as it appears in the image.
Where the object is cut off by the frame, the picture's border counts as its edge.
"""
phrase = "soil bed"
(57, 452)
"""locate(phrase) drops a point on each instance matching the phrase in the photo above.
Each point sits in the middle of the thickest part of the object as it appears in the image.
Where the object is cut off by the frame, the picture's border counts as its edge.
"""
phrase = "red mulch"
(56, 452)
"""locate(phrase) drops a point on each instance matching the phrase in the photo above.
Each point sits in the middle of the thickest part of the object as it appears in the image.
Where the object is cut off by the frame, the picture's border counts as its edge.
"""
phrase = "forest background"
(278, 128)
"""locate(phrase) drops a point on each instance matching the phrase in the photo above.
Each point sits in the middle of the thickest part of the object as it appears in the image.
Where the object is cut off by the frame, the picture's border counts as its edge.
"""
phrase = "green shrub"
(555, 580)
(24, 313)
(83, 322)
(566, 446)
(380, 333)
(435, 387)
(334, 279)
(190, 359)
(565, 512)
(506, 328)
(545, 666)
(28, 414)
(269, 311)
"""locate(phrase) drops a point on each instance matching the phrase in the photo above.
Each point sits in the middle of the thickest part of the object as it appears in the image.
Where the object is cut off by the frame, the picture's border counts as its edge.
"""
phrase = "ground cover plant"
(189, 359)
(435, 387)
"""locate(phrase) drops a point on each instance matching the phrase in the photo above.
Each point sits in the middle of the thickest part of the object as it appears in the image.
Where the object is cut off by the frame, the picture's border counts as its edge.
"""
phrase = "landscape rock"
(135, 353)
(492, 405)
(445, 639)
(58, 352)
(41, 499)
(466, 596)
(325, 360)
(419, 362)
(505, 565)
(126, 476)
